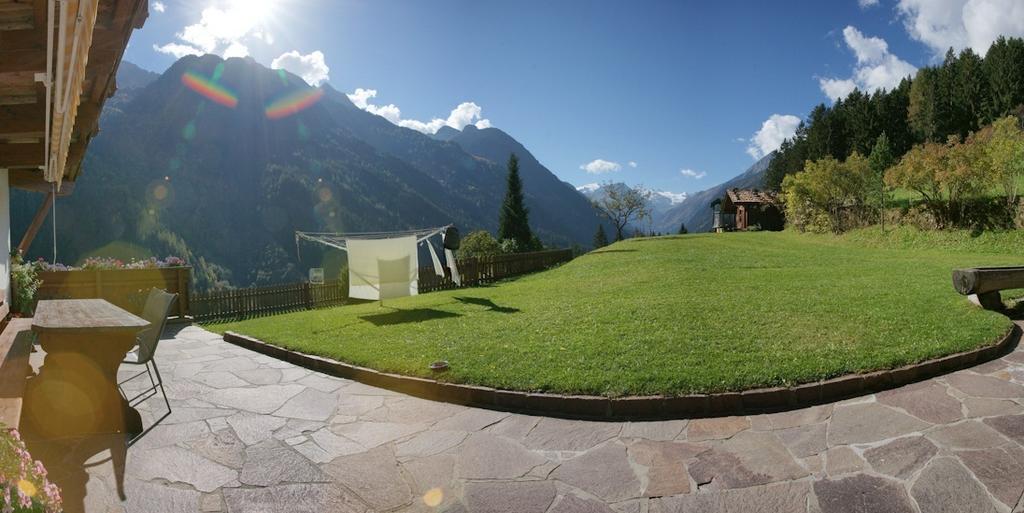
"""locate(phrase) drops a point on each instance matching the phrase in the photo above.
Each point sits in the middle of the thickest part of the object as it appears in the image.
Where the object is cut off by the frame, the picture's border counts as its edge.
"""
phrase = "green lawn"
(681, 314)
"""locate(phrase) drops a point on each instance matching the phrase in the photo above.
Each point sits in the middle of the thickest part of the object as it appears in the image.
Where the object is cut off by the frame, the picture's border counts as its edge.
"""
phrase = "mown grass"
(672, 315)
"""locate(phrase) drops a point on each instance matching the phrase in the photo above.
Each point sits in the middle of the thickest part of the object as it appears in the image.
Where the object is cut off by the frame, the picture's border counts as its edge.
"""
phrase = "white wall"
(5, 236)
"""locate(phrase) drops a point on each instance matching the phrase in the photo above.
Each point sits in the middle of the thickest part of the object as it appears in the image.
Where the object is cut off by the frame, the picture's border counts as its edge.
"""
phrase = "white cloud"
(942, 24)
(466, 113)
(588, 187)
(158, 6)
(876, 68)
(311, 67)
(693, 174)
(178, 50)
(774, 130)
(222, 29)
(672, 197)
(601, 166)
(864, 4)
(631, 164)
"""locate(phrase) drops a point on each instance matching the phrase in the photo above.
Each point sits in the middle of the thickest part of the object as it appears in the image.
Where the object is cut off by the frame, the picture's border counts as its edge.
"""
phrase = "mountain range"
(659, 203)
(220, 161)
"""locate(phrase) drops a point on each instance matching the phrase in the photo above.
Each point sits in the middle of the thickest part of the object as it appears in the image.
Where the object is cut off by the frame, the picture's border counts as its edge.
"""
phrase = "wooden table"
(76, 392)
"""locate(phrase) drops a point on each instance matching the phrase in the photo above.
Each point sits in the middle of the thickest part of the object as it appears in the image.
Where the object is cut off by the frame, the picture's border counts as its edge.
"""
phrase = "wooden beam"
(17, 16)
(20, 119)
(37, 222)
(33, 60)
(21, 155)
(32, 180)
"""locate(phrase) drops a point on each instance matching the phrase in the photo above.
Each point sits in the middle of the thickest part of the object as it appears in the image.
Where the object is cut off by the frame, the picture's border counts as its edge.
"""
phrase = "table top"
(83, 315)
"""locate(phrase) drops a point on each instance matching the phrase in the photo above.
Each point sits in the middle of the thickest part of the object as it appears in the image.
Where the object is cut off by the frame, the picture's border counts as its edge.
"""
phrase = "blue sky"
(678, 89)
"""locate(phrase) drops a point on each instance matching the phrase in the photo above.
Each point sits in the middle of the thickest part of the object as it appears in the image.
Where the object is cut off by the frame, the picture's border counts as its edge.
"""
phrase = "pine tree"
(682, 229)
(881, 158)
(513, 221)
(600, 239)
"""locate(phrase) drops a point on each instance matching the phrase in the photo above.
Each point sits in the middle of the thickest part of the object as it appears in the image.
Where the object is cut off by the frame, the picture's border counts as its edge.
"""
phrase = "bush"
(829, 196)
(23, 483)
(479, 244)
(25, 278)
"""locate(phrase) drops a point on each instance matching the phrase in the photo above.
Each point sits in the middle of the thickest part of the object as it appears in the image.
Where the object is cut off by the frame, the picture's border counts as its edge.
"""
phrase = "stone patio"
(252, 434)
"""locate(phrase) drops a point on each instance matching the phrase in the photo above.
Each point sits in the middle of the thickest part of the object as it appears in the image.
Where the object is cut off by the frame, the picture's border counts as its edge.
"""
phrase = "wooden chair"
(158, 306)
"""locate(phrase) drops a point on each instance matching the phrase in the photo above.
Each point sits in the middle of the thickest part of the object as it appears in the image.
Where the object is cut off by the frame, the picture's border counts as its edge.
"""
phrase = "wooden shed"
(741, 209)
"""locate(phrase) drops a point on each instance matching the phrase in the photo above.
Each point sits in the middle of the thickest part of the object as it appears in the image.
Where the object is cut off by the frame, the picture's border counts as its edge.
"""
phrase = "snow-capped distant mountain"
(660, 202)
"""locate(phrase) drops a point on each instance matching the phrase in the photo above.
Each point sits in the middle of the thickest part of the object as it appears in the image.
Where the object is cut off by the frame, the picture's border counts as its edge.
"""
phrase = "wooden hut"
(741, 209)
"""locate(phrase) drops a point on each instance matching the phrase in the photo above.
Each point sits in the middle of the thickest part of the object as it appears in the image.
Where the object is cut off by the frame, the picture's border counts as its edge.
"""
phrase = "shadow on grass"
(479, 301)
(605, 251)
(404, 316)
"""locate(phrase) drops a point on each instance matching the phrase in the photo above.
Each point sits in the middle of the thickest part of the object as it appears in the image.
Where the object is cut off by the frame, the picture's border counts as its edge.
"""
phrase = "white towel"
(450, 257)
(438, 270)
(382, 268)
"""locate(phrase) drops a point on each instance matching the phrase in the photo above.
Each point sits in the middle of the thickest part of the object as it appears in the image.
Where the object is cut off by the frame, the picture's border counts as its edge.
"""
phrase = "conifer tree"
(600, 239)
(513, 221)
(881, 158)
(682, 229)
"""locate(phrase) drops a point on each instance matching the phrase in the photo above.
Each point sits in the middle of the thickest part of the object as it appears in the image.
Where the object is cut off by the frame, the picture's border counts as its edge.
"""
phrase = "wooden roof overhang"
(94, 36)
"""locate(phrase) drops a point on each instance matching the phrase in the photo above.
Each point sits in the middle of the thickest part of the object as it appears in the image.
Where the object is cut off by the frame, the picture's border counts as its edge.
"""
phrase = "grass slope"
(673, 315)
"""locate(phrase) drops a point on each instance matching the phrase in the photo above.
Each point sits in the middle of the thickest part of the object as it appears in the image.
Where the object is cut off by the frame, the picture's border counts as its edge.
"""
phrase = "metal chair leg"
(156, 383)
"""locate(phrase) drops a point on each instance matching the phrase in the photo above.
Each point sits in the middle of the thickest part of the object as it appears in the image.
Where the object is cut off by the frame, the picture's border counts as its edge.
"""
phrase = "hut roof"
(752, 196)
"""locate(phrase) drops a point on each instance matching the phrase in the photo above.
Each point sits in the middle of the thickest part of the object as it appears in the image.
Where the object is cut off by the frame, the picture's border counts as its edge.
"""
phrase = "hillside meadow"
(676, 315)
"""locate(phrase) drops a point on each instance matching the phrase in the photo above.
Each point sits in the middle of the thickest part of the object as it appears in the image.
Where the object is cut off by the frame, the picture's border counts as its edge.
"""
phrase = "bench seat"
(15, 349)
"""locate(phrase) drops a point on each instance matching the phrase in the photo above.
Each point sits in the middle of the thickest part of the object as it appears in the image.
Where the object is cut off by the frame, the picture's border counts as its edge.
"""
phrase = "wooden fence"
(258, 301)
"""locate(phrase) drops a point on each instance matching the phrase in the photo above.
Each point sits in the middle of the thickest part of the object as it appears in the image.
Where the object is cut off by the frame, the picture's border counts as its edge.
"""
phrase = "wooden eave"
(23, 47)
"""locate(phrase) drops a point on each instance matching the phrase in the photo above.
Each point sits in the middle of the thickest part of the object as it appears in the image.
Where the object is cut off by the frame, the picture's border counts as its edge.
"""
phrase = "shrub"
(829, 196)
(25, 278)
(478, 244)
(23, 483)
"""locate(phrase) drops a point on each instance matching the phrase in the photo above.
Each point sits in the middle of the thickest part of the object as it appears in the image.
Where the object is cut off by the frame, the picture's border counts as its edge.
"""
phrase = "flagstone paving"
(251, 434)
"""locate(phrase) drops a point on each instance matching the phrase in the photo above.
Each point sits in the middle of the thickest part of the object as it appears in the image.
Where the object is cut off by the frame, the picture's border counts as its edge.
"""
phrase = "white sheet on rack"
(438, 270)
(382, 268)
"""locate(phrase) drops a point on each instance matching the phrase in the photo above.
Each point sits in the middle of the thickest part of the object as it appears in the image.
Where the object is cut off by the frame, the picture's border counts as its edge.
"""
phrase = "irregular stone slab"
(291, 374)
(235, 363)
(503, 497)
(514, 426)
(297, 427)
(666, 467)
(774, 498)
(223, 447)
(485, 456)
(604, 471)
(374, 476)
(901, 457)
(862, 493)
(185, 414)
(842, 460)
(574, 504)
(984, 386)
(321, 382)
(294, 498)
(260, 376)
(802, 417)
(570, 435)
(334, 445)
(157, 498)
(179, 465)
(749, 458)
(987, 407)
(310, 404)
(927, 401)
(271, 462)
(357, 405)
(252, 428)
(1001, 470)
(946, 486)
(372, 434)
(971, 434)
(804, 441)
(263, 399)
(171, 434)
(220, 379)
(658, 430)
(470, 419)
(715, 429)
(411, 409)
(1011, 426)
(436, 471)
(429, 443)
(869, 422)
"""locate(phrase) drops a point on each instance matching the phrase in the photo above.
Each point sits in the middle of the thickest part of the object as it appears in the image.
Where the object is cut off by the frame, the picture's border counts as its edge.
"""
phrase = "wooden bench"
(982, 284)
(15, 348)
